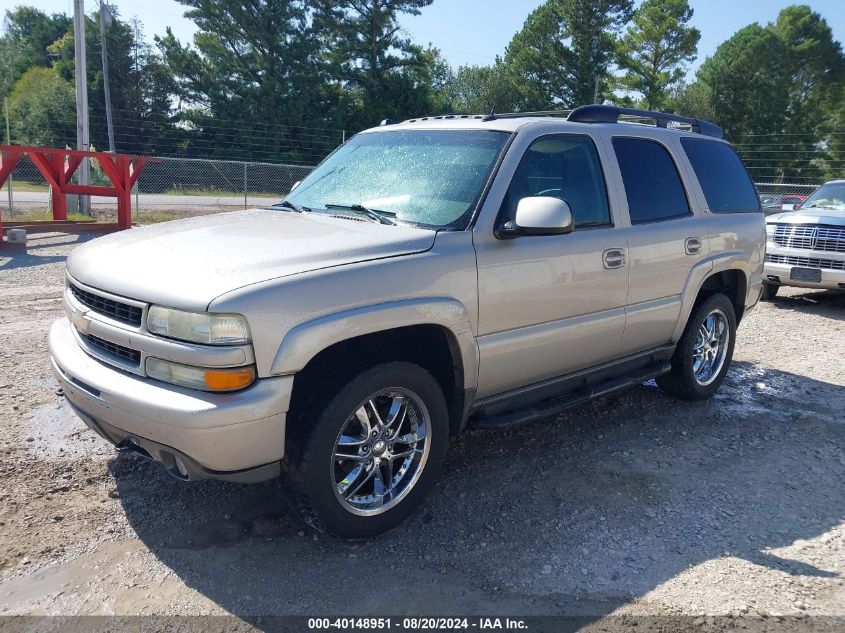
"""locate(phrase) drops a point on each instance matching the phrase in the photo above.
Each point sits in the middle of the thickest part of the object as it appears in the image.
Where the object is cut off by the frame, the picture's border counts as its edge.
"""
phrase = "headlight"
(200, 377)
(198, 327)
(770, 231)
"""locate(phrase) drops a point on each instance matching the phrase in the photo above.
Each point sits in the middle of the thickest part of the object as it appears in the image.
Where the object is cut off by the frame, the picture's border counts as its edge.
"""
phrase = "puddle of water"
(55, 432)
(752, 390)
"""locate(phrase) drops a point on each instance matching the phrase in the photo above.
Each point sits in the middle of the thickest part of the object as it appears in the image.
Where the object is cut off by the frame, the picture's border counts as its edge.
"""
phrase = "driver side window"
(565, 167)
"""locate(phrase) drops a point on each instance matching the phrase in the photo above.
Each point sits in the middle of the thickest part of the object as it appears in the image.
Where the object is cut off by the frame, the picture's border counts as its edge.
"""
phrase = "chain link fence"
(180, 187)
(777, 197)
(167, 189)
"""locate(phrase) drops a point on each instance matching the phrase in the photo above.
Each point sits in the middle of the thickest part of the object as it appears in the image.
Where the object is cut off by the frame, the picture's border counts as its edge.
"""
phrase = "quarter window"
(565, 167)
(722, 176)
(652, 184)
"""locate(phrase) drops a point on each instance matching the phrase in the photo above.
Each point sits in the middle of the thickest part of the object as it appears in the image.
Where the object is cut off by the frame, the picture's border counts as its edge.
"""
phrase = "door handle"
(613, 258)
(692, 245)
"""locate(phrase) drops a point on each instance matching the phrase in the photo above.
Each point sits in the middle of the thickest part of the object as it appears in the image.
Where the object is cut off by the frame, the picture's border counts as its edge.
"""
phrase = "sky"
(475, 31)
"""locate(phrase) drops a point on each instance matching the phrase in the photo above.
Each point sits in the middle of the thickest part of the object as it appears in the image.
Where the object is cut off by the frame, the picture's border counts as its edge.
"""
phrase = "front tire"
(374, 451)
(704, 353)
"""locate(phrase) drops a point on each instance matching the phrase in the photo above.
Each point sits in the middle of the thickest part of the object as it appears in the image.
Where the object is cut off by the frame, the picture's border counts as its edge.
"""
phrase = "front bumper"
(235, 436)
(830, 278)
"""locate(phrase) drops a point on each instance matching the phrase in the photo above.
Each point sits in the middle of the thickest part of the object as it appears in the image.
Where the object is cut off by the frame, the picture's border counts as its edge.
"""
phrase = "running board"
(553, 406)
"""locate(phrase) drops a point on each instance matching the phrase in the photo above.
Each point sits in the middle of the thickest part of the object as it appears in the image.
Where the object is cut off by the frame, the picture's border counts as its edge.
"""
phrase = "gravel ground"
(633, 504)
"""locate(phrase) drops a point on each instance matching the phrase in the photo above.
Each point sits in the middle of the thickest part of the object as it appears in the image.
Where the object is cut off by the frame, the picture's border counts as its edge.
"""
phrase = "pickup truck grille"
(123, 312)
(807, 262)
(125, 353)
(811, 237)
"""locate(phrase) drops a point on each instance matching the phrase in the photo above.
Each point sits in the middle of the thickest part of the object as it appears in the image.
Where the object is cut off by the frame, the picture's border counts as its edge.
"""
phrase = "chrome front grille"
(125, 353)
(831, 239)
(122, 312)
(811, 237)
(806, 262)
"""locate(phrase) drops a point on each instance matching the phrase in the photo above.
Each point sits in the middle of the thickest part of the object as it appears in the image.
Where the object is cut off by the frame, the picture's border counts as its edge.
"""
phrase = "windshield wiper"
(288, 205)
(377, 215)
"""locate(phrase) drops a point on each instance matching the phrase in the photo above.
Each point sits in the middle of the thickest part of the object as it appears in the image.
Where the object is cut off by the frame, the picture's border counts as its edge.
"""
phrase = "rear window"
(652, 184)
(722, 176)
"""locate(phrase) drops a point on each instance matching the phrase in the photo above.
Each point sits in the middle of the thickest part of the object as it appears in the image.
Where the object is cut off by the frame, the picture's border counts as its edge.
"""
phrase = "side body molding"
(718, 262)
(306, 340)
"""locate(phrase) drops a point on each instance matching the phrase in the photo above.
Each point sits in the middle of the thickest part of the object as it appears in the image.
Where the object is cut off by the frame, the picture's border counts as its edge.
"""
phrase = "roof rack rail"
(517, 115)
(489, 116)
(441, 117)
(611, 114)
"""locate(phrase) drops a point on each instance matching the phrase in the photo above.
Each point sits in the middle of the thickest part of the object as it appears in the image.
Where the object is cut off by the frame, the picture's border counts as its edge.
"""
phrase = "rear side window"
(722, 176)
(652, 184)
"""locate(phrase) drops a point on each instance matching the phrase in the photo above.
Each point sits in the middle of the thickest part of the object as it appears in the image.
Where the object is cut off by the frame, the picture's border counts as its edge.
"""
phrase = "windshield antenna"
(491, 116)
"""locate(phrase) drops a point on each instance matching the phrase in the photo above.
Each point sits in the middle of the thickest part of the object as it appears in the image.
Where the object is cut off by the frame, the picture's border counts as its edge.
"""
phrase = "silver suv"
(806, 247)
(428, 276)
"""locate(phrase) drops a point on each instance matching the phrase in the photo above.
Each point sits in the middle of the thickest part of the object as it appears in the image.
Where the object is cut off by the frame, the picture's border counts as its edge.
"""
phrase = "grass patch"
(46, 216)
(23, 187)
(154, 217)
(177, 191)
(27, 186)
(217, 193)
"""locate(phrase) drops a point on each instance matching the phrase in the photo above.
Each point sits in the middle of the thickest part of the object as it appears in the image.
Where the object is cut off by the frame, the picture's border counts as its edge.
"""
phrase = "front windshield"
(424, 177)
(829, 196)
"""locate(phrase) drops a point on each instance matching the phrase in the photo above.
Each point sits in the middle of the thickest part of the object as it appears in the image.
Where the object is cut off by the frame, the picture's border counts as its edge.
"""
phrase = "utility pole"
(8, 142)
(82, 137)
(105, 20)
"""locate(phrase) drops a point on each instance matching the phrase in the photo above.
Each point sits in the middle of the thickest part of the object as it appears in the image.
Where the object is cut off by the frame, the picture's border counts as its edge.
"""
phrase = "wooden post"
(59, 199)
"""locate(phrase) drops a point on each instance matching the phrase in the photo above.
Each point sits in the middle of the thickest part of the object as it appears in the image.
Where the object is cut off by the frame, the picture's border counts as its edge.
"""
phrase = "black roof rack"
(612, 114)
(518, 115)
(592, 114)
(441, 117)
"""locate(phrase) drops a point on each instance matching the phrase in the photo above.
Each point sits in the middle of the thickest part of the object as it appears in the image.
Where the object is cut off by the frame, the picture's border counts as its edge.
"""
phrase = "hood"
(188, 263)
(809, 216)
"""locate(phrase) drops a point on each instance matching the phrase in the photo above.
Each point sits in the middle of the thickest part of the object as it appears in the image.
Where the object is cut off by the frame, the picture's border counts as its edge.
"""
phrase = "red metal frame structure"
(58, 166)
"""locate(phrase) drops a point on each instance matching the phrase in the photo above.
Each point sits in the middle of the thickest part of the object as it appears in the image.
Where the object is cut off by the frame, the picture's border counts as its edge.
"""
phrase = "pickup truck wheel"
(374, 451)
(770, 291)
(704, 352)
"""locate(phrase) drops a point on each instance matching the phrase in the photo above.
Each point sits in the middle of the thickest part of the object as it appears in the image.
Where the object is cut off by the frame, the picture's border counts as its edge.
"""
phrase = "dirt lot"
(632, 504)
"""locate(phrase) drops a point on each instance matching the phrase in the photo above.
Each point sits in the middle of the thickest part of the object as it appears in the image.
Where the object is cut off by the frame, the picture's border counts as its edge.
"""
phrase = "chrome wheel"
(711, 347)
(381, 451)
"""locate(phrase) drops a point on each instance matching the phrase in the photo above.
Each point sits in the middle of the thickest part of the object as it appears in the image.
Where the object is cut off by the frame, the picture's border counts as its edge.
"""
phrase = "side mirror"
(538, 215)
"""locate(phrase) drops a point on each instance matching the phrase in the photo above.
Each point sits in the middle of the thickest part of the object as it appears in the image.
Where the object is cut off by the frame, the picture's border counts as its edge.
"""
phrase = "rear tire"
(373, 453)
(704, 352)
(770, 291)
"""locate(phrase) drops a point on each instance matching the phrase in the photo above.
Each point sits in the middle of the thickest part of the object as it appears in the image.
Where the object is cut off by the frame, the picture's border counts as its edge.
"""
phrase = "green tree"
(479, 89)
(592, 26)
(254, 66)
(537, 61)
(655, 48)
(141, 86)
(815, 70)
(364, 50)
(562, 54)
(29, 32)
(41, 109)
(774, 89)
(693, 100)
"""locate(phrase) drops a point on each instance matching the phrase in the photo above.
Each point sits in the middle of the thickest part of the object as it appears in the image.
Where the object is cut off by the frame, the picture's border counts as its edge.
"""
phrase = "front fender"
(306, 340)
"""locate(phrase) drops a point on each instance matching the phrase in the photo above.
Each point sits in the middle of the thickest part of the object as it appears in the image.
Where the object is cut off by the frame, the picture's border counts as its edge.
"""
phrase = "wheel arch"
(729, 274)
(435, 334)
